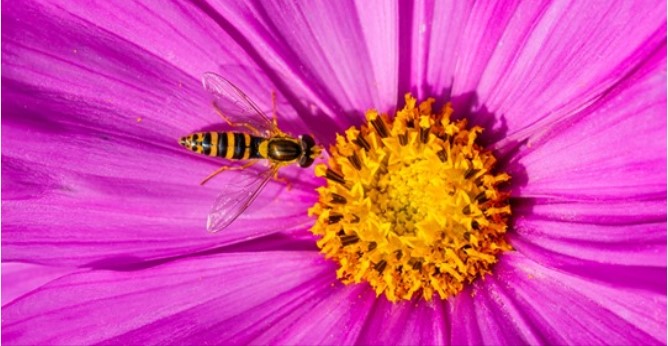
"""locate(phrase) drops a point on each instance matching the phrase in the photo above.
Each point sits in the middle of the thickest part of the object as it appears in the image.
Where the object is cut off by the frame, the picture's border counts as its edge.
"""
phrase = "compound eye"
(305, 161)
(307, 144)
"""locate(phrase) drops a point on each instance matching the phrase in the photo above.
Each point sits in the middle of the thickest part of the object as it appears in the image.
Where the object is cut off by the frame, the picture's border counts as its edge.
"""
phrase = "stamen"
(330, 175)
(411, 205)
(349, 239)
(338, 199)
(378, 124)
(334, 218)
(355, 160)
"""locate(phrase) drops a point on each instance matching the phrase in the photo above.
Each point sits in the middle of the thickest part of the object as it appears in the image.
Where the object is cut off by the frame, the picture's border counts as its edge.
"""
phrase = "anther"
(355, 161)
(362, 143)
(442, 155)
(349, 239)
(417, 265)
(403, 139)
(424, 135)
(331, 175)
(334, 218)
(379, 126)
(380, 266)
(337, 199)
(471, 172)
(481, 197)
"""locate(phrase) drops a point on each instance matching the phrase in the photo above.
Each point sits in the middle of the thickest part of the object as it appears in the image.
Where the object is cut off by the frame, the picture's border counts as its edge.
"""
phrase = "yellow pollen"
(411, 204)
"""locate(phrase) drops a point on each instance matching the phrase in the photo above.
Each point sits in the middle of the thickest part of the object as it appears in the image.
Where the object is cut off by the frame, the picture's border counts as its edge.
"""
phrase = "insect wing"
(233, 104)
(236, 197)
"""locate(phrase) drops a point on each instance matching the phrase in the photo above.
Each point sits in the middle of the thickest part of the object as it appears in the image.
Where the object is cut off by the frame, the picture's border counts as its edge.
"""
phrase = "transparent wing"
(232, 103)
(236, 197)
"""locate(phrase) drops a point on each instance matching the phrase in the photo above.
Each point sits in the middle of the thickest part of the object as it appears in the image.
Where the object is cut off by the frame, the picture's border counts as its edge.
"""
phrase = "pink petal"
(481, 316)
(568, 309)
(225, 298)
(111, 107)
(593, 187)
(19, 279)
(562, 57)
(405, 323)
(517, 67)
(622, 243)
(88, 219)
(312, 42)
(332, 315)
(465, 329)
(614, 148)
(97, 77)
(101, 64)
(453, 42)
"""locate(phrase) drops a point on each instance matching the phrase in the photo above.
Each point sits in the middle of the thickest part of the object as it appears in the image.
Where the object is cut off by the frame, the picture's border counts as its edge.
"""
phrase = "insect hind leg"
(250, 127)
(226, 168)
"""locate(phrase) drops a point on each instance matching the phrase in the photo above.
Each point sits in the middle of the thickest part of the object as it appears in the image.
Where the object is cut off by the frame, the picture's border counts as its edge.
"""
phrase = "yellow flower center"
(411, 205)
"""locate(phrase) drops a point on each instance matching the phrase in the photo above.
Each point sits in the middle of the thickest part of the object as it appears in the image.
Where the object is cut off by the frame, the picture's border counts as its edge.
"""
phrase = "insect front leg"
(227, 168)
(274, 114)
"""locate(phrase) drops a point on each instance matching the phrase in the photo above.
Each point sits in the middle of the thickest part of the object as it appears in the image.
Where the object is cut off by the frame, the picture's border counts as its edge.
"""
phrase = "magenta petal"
(331, 314)
(101, 79)
(614, 148)
(454, 41)
(526, 303)
(623, 233)
(568, 309)
(482, 316)
(19, 279)
(465, 329)
(555, 59)
(88, 219)
(105, 75)
(212, 299)
(406, 323)
(595, 193)
(112, 186)
(312, 41)
(174, 32)
(311, 314)
(619, 243)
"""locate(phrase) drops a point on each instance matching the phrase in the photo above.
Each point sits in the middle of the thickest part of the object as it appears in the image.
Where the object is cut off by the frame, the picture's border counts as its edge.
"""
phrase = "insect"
(261, 141)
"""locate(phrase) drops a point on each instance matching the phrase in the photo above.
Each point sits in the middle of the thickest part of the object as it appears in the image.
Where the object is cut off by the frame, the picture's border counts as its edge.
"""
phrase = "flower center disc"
(411, 205)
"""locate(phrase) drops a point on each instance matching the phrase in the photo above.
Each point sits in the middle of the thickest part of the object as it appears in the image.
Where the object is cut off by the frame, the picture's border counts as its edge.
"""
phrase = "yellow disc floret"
(411, 205)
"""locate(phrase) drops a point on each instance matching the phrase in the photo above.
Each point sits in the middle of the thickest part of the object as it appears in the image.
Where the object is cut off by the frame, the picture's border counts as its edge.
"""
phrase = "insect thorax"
(283, 149)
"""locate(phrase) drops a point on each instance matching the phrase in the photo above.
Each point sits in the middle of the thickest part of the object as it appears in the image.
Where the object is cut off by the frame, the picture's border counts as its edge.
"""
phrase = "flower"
(103, 224)
(411, 204)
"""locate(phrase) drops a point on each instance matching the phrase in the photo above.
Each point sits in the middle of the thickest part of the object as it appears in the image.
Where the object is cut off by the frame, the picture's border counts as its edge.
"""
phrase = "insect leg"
(283, 180)
(250, 127)
(274, 116)
(227, 168)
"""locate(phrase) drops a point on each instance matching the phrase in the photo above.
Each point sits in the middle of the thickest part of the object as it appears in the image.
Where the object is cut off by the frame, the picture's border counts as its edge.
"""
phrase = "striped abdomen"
(229, 145)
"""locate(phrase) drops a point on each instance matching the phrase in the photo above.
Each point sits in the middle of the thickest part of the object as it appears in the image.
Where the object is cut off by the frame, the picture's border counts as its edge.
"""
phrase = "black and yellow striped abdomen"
(229, 145)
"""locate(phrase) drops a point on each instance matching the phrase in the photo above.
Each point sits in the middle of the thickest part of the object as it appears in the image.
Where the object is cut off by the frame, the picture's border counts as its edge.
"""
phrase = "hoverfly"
(262, 141)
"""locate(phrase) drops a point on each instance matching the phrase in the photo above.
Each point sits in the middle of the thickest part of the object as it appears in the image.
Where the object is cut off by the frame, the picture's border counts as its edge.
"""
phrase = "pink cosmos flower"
(103, 237)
